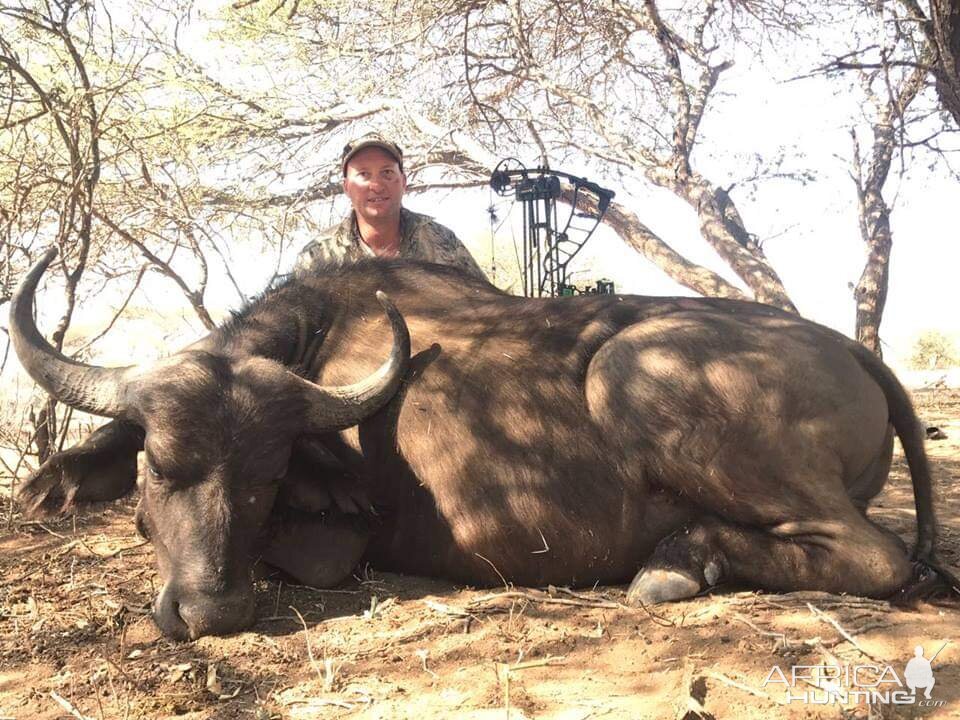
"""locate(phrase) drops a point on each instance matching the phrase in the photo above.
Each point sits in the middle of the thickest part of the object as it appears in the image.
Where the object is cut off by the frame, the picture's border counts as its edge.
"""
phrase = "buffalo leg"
(317, 551)
(844, 555)
(102, 467)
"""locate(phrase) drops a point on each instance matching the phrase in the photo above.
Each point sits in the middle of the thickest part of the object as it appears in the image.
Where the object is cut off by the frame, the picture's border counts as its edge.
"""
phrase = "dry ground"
(76, 639)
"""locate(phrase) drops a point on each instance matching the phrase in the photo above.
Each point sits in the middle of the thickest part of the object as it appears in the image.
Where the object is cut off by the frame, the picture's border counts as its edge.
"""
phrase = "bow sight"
(547, 249)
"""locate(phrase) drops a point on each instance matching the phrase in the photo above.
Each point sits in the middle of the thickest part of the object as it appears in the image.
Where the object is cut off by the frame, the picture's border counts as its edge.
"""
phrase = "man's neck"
(381, 237)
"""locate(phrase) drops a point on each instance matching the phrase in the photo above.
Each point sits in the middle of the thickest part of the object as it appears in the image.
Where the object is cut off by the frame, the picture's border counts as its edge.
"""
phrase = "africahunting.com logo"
(858, 684)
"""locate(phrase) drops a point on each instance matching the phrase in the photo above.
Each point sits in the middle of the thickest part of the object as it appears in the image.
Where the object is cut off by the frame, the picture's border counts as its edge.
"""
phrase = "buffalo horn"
(335, 408)
(88, 388)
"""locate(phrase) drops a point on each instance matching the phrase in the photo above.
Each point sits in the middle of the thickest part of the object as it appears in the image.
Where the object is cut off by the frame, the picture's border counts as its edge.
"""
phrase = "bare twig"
(542, 597)
(543, 662)
(306, 638)
(499, 574)
(800, 598)
(730, 682)
(447, 609)
(781, 640)
(66, 705)
(836, 626)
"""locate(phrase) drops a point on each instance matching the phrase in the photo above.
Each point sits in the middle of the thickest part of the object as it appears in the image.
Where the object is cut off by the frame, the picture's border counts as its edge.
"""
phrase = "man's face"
(374, 184)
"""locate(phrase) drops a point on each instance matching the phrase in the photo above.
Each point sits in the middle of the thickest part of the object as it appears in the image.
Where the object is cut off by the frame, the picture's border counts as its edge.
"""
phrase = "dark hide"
(567, 441)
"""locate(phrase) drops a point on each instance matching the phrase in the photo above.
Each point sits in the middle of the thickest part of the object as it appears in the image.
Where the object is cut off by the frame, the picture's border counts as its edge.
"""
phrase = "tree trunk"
(871, 290)
(874, 213)
(645, 241)
(722, 227)
(945, 16)
(678, 268)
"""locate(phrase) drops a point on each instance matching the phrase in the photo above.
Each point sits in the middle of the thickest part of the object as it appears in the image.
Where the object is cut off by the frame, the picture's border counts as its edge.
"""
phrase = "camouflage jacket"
(420, 239)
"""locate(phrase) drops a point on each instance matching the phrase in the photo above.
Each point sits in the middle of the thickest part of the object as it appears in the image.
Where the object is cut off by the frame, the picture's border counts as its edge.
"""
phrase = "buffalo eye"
(153, 472)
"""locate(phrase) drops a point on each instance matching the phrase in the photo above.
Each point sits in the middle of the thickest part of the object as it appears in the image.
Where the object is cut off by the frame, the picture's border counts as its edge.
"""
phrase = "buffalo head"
(218, 431)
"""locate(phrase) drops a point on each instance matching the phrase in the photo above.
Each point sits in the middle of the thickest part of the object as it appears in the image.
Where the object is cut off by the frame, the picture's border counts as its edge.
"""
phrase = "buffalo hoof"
(657, 585)
(682, 565)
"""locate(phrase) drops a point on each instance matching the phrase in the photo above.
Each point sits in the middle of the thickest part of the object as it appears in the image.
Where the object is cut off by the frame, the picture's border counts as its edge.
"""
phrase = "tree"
(78, 134)
(934, 350)
(894, 58)
(625, 89)
(889, 91)
(76, 124)
(620, 87)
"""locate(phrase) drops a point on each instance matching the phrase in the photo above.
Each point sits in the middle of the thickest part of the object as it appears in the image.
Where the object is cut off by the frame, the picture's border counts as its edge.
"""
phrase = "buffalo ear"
(302, 489)
(102, 467)
(317, 481)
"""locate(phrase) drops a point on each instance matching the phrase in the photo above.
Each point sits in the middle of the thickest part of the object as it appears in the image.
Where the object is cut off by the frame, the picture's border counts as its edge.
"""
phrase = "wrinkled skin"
(680, 443)
(218, 433)
(203, 506)
(208, 591)
(222, 492)
(214, 490)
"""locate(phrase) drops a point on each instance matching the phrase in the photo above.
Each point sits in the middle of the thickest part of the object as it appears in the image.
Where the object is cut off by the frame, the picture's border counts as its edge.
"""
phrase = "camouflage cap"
(367, 141)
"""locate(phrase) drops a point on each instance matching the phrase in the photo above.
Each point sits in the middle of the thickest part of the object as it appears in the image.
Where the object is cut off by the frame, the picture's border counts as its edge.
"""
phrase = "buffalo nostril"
(219, 614)
(167, 614)
(185, 615)
(196, 618)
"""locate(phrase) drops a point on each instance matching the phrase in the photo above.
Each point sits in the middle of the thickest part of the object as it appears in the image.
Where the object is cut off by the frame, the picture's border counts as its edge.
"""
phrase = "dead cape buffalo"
(676, 442)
